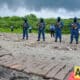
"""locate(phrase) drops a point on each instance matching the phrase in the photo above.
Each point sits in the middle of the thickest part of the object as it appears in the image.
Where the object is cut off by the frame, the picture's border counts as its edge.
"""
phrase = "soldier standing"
(25, 29)
(58, 29)
(74, 30)
(41, 29)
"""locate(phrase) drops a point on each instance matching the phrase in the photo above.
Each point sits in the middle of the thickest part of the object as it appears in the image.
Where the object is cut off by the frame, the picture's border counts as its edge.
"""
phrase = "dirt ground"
(65, 52)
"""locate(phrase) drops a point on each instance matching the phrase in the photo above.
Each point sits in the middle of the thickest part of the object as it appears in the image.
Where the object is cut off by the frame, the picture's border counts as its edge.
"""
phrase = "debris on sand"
(10, 74)
(56, 47)
(0, 46)
(5, 55)
(0, 35)
(41, 50)
(64, 48)
(68, 48)
(66, 58)
(52, 58)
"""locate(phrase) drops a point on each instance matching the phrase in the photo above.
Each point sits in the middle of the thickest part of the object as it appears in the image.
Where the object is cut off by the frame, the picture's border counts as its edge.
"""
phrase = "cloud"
(40, 4)
(41, 8)
(45, 13)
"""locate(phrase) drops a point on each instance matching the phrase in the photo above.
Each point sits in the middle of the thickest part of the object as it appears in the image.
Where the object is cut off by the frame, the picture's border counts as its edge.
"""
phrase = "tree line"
(16, 21)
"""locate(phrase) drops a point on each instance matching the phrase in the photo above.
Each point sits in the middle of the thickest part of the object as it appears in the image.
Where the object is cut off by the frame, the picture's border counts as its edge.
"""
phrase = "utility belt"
(25, 27)
(41, 28)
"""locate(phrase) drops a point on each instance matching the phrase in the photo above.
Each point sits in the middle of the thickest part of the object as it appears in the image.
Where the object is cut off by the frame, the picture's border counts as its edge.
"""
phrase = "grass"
(19, 30)
(7, 30)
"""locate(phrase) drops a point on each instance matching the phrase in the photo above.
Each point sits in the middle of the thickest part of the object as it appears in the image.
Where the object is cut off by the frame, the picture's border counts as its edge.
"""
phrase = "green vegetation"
(6, 22)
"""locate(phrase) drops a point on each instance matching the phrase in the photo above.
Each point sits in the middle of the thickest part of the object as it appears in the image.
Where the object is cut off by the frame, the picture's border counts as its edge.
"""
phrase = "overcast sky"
(41, 8)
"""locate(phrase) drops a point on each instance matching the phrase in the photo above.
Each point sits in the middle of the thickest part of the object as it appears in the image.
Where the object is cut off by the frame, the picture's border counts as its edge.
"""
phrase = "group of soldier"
(57, 28)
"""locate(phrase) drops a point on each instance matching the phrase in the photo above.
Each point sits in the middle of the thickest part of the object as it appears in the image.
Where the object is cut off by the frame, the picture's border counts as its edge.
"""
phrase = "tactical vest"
(41, 25)
(74, 26)
(58, 24)
(25, 25)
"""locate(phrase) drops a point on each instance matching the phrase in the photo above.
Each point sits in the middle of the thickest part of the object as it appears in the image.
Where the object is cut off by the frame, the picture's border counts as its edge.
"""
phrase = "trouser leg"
(26, 34)
(51, 34)
(23, 33)
(71, 38)
(60, 37)
(43, 35)
(39, 35)
(56, 36)
(76, 38)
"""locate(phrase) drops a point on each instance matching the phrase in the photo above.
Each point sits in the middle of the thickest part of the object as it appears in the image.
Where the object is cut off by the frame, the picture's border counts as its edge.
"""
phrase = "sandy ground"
(65, 52)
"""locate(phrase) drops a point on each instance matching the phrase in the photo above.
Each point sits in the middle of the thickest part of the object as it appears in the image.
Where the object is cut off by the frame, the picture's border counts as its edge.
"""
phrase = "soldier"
(74, 29)
(58, 29)
(25, 29)
(52, 30)
(41, 29)
(12, 28)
